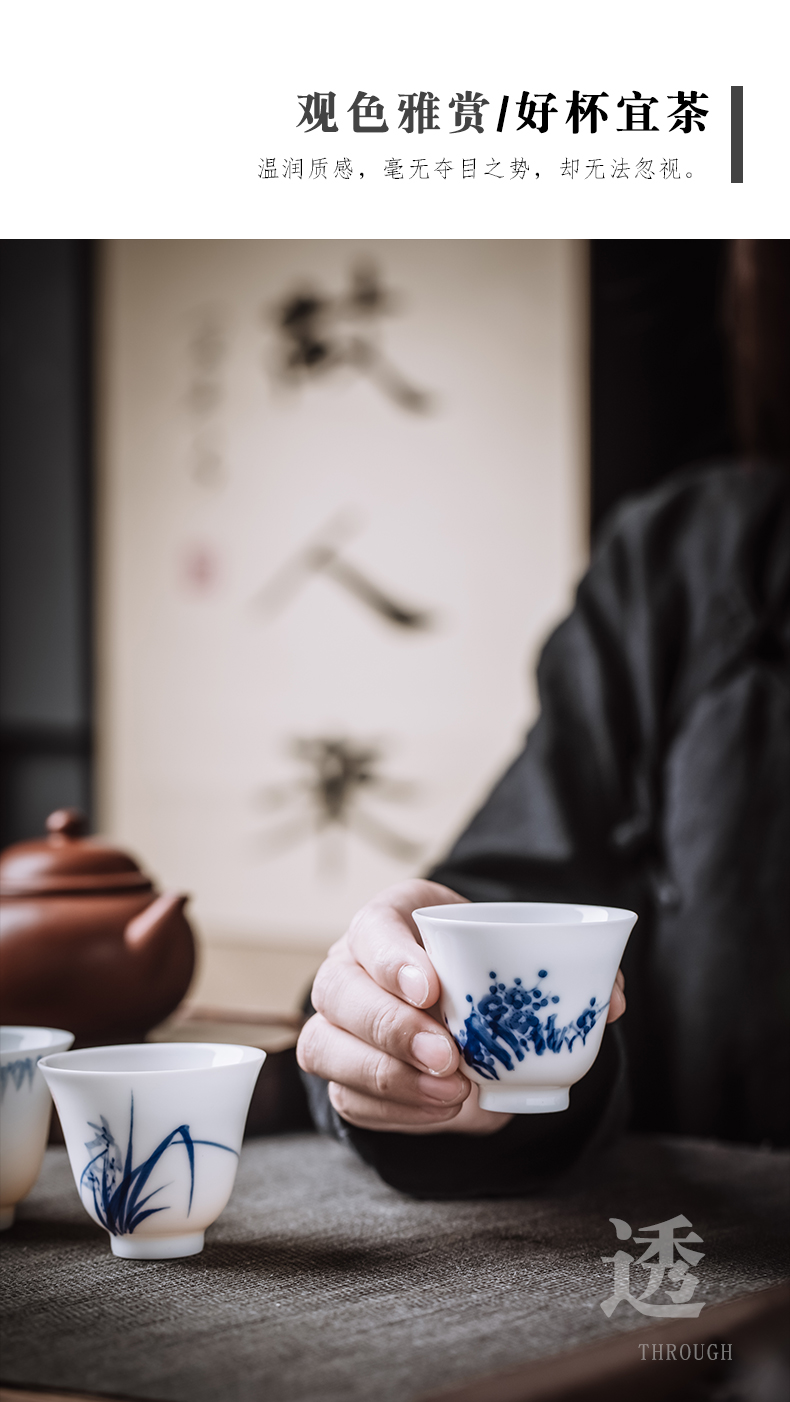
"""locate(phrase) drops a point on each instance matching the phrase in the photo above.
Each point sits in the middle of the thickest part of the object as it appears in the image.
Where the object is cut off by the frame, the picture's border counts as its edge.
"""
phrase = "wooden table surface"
(320, 1284)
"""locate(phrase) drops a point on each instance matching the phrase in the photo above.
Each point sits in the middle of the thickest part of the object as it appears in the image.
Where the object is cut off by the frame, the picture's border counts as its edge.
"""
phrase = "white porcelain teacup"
(153, 1134)
(25, 1110)
(525, 993)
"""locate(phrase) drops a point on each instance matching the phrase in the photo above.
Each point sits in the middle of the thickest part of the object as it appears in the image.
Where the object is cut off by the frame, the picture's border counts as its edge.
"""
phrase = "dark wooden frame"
(658, 363)
(46, 505)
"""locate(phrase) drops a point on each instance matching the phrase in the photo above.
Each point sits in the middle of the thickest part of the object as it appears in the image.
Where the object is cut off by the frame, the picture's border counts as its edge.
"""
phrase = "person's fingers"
(469, 1120)
(384, 939)
(336, 1055)
(369, 1112)
(617, 1000)
(347, 996)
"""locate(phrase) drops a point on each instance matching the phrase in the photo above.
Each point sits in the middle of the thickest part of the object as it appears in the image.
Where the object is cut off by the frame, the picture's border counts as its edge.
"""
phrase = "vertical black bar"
(85, 278)
(658, 401)
(736, 136)
(503, 109)
(45, 531)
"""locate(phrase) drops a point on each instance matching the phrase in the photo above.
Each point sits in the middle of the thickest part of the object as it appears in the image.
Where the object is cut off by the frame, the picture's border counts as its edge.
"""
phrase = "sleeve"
(572, 817)
(570, 820)
(531, 1152)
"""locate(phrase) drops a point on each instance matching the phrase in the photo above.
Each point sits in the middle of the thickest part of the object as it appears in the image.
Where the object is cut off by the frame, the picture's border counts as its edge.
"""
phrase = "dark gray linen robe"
(657, 778)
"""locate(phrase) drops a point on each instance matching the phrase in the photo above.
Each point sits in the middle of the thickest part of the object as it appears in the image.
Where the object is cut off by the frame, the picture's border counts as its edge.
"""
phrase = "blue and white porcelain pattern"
(525, 991)
(117, 1188)
(16, 1073)
(25, 1108)
(180, 1109)
(508, 1023)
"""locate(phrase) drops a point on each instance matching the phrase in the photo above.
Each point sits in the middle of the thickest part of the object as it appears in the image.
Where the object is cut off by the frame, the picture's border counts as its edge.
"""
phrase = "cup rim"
(54, 1063)
(449, 915)
(33, 1047)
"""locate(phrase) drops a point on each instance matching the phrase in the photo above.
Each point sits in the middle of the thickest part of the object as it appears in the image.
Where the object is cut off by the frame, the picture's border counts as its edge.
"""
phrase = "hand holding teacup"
(376, 1035)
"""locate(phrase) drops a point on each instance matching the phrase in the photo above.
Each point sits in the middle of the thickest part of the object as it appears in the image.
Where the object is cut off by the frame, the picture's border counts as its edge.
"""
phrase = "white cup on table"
(153, 1134)
(525, 993)
(25, 1110)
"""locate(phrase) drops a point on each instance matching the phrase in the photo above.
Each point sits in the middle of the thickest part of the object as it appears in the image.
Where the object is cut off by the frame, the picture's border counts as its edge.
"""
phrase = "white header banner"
(173, 119)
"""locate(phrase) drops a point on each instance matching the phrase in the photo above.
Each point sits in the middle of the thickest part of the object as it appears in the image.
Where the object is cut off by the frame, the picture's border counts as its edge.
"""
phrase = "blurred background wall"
(342, 499)
(341, 493)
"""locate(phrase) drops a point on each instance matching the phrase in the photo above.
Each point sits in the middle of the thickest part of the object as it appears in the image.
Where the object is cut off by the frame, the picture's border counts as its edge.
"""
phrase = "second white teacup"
(25, 1110)
(153, 1134)
(525, 993)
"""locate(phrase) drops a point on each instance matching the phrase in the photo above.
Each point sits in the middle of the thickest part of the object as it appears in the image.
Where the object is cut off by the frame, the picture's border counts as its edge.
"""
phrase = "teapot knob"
(67, 822)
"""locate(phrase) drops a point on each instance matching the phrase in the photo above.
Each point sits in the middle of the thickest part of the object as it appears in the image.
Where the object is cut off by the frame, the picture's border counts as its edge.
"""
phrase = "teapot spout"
(155, 923)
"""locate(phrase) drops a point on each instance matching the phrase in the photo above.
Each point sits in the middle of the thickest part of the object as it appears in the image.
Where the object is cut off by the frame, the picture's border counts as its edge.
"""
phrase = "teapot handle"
(152, 922)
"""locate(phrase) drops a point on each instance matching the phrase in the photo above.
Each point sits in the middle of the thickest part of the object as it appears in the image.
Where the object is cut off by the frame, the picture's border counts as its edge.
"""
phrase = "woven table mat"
(321, 1284)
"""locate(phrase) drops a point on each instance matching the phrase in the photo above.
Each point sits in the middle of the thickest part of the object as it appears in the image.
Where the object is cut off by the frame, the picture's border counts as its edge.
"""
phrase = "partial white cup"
(153, 1133)
(525, 993)
(25, 1110)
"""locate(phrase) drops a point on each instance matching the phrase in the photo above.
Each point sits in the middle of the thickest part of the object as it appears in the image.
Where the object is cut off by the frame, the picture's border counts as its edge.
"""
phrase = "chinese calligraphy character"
(318, 111)
(687, 111)
(292, 169)
(637, 112)
(207, 360)
(492, 170)
(420, 168)
(469, 111)
(368, 113)
(266, 169)
(644, 169)
(343, 169)
(519, 168)
(579, 113)
(422, 108)
(442, 167)
(393, 168)
(319, 334)
(669, 169)
(620, 169)
(337, 775)
(662, 1246)
(318, 168)
(570, 168)
(595, 168)
(469, 169)
(529, 106)
(324, 555)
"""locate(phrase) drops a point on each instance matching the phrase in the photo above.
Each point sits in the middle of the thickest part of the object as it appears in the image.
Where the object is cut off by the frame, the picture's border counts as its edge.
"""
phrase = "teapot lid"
(67, 862)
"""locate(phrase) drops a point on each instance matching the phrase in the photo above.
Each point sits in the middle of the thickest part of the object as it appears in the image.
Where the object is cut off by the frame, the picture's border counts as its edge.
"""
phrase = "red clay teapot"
(85, 941)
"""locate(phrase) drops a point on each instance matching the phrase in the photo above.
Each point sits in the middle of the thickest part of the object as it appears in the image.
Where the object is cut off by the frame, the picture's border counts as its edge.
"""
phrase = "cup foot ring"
(157, 1248)
(7, 1215)
(524, 1100)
